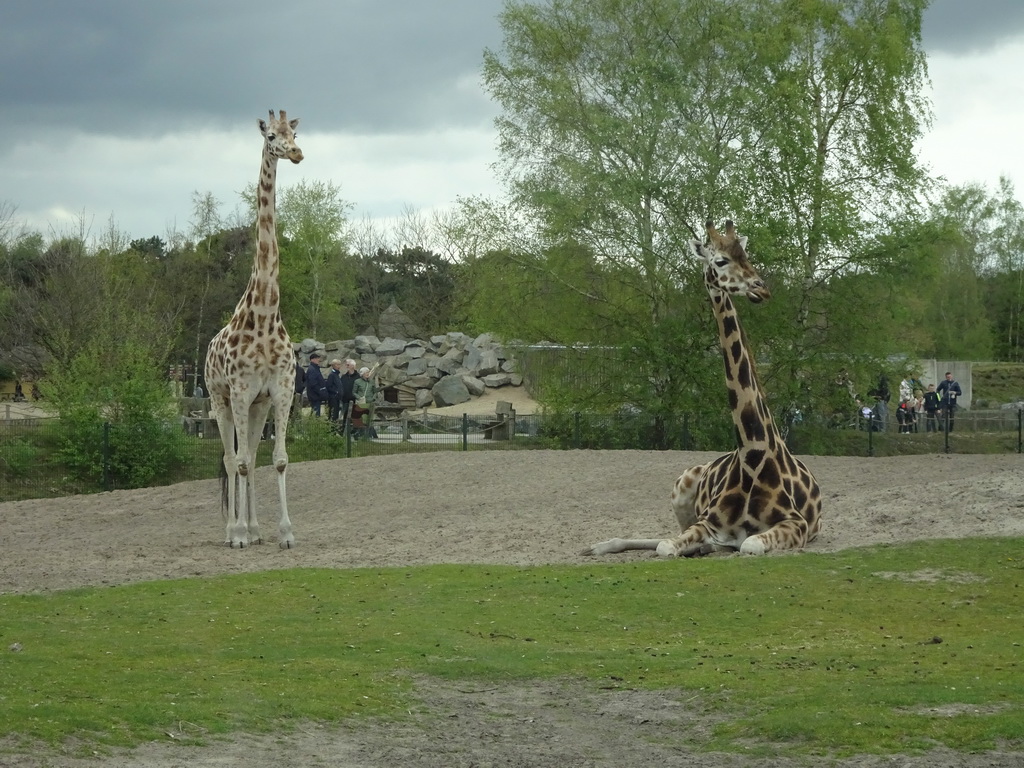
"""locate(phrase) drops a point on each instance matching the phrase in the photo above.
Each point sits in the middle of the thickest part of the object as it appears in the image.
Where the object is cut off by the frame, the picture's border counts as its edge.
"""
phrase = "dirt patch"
(520, 508)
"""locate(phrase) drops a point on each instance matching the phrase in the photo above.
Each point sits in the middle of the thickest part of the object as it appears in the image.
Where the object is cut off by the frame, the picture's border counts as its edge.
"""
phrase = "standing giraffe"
(759, 497)
(250, 365)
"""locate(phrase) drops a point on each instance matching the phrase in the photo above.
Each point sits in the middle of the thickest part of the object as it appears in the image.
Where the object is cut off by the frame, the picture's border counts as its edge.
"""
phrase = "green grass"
(997, 382)
(861, 651)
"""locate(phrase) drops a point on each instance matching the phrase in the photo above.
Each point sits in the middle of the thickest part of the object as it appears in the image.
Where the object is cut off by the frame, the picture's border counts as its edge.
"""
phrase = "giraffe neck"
(755, 429)
(262, 294)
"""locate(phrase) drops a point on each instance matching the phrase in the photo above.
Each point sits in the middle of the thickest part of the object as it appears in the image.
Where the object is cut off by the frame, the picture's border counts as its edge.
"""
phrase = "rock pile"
(445, 370)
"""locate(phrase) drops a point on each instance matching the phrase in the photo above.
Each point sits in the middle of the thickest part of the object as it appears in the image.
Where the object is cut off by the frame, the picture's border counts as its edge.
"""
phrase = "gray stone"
(420, 382)
(480, 361)
(475, 386)
(390, 347)
(365, 344)
(458, 339)
(392, 375)
(449, 364)
(497, 380)
(474, 364)
(451, 390)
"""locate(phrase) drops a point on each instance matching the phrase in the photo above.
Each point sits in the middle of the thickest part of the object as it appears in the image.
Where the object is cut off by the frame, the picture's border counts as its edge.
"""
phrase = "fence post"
(465, 431)
(686, 432)
(106, 456)
(1020, 433)
(871, 432)
(945, 425)
(576, 430)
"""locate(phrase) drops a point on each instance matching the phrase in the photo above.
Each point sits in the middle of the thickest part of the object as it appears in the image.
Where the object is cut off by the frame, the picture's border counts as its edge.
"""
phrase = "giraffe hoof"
(665, 549)
(752, 546)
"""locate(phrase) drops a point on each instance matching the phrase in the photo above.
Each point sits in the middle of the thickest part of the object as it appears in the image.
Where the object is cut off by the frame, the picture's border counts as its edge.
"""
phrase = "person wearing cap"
(316, 385)
(365, 393)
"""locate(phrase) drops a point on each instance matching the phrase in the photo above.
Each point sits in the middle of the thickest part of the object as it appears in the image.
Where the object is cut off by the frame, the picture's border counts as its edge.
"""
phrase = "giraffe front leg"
(238, 529)
(695, 540)
(239, 532)
(286, 539)
(789, 534)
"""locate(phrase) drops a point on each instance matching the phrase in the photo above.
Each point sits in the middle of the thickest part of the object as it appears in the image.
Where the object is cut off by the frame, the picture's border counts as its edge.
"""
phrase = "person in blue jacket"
(948, 391)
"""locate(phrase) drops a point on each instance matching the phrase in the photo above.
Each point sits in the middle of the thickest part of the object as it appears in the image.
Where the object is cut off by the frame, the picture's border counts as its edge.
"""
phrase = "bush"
(144, 440)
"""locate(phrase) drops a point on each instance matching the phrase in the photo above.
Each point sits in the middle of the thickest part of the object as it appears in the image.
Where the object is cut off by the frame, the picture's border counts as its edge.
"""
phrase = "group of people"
(349, 395)
(935, 406)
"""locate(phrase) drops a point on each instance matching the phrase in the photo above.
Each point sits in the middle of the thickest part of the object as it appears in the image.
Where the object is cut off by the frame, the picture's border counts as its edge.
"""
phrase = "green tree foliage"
(1003, 273)
(416, 279)
(149, 248)
(108, 366)
(317, 276)
(625, 125)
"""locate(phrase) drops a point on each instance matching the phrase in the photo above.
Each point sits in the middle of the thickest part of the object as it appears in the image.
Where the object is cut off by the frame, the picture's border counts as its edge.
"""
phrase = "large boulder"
(390, 347)
(466, 365)
(480, 361)
(416, 367)
(451, 390)
(497, 380)
(475, 386)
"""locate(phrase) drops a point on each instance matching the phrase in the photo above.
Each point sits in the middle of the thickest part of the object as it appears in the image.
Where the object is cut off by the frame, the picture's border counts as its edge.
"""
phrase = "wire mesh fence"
(42, 458)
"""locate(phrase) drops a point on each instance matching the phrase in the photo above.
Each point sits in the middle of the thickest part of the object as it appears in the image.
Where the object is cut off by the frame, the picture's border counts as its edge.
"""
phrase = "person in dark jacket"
(931, 409)
(948, 391)
(348, 398)
(316, 385)
(334, 390)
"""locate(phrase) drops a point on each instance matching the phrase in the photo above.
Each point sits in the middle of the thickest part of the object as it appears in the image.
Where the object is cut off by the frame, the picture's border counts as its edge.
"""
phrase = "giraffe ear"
(294, 123)
(697, 249)
(263, 126)
(743, 242)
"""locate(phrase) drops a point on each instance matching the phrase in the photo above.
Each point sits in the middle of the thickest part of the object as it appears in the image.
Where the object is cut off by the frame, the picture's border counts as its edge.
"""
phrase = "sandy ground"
(523, 508)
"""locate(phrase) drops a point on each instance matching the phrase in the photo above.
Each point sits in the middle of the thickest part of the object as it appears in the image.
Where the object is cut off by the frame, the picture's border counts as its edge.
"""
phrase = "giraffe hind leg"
(229, 478)
(684, 495)
(257, 420)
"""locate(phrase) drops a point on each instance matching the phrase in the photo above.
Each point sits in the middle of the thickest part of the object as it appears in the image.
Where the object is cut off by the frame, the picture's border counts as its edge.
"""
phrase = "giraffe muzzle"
(759, 294)
(295, 155)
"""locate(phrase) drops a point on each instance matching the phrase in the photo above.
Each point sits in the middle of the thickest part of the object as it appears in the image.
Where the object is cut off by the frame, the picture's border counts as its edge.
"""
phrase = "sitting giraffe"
(759, 497)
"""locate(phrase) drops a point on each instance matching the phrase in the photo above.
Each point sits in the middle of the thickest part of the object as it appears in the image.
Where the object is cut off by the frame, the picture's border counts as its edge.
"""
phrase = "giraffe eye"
(721, 262)
(271, 136)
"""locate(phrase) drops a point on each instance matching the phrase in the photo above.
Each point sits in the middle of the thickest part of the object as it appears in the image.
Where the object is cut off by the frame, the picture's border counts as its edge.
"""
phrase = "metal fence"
(42, 458)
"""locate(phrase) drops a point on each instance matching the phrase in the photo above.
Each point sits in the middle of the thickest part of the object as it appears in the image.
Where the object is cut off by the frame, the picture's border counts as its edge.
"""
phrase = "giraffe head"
(280, 135)
(727, 269)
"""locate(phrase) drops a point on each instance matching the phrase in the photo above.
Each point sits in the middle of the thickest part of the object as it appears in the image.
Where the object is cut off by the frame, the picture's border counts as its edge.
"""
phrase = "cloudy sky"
(125, 108)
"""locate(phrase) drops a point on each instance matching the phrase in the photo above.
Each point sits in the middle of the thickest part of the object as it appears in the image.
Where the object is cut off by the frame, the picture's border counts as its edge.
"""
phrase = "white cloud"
(978, 103)
(148, 183)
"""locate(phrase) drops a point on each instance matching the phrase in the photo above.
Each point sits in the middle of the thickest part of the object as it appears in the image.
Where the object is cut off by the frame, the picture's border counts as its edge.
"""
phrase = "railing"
(42, 458)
